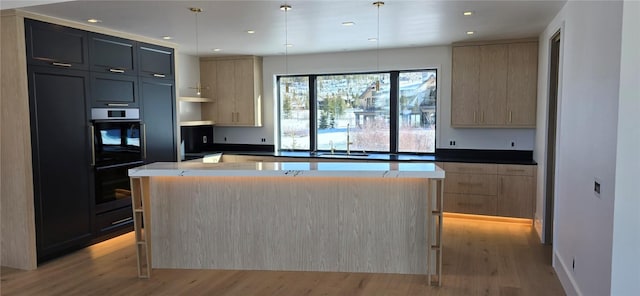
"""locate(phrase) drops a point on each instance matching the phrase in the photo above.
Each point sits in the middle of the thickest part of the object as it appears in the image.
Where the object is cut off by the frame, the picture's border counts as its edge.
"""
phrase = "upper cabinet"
(156, 61)
(235, 85)
(494, 85)
(56, 46)
(111, 54)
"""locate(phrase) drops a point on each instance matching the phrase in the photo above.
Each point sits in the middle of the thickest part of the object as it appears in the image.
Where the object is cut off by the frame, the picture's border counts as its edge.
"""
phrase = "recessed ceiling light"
(167, 37)
(285, 7)
(251, 31)
(470, 32)
(467, 13)
(347, 24)
(93, 21)
(217, 49)
(288, 45)
(372, 39)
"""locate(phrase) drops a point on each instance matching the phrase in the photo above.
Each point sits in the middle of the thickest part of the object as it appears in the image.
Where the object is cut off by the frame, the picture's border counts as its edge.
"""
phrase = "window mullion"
(393, 110)
(313, 106)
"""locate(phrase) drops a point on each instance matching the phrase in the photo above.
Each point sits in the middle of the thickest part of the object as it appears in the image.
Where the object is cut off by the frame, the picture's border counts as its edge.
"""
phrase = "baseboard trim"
(565, 276)
(537, 224)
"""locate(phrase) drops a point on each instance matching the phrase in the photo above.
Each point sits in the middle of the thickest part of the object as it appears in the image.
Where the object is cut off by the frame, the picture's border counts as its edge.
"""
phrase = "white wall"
(188, 74)
(587, 137)
(625, 275)
(393, 59)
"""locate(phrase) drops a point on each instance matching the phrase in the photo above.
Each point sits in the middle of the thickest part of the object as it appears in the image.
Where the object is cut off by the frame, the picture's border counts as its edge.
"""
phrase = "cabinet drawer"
(516, 170)
(470, 184)
(470, 204)
(114, 219)
(114, 90)
(470, 168)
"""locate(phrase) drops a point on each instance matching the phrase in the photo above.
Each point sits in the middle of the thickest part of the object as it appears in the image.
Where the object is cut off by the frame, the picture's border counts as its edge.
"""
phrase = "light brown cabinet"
(489, 189)
(235, 84)
(494, 85)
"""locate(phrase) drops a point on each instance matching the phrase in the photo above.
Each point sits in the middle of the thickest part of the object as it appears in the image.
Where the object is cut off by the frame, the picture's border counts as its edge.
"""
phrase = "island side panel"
(290, 223)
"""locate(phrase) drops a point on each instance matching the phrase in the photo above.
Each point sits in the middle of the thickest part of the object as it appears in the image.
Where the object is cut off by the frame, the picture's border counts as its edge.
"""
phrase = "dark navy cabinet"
(115, 55)
(155, 61)
(113, 90)
(159, 117)
(56, 46)
(62, 174)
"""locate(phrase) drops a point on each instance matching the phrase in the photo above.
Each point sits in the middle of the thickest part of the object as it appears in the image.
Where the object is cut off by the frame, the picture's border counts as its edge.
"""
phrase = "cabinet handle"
(515, 170)
(116, 70)
(144, 141)
(469, 184)
(482, 118)
(474, 116)
(93, 145)
(117, 105)
(510, 116)
(122, 220)
(159, 75)
(61, 64)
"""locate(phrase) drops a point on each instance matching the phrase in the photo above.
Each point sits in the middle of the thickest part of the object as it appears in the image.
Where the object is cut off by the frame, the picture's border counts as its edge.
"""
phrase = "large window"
(374, 112)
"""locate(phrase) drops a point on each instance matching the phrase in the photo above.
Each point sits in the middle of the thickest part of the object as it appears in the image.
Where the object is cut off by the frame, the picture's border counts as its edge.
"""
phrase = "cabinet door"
(226, 92)
(492, 91)
(110, 54)
(208, 81)
(464, 85)
(522, 84)
(114, 90)
(61, 159)
(155, 61)
(244, 92)
(515, 196)
(159, 117)
(55, 45)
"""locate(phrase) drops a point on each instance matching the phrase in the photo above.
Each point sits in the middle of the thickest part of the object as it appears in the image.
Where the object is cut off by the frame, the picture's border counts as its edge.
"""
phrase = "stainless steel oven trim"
(103, 113)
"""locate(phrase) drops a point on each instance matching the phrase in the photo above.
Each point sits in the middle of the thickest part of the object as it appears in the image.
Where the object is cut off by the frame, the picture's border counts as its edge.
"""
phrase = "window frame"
(394, 114)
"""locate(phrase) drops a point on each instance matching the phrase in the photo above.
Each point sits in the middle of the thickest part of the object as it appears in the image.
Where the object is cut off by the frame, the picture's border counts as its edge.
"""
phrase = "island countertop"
(292, 169)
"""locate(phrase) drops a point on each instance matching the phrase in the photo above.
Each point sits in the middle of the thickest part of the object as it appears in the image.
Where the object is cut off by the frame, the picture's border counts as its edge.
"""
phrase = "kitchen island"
(299, 216)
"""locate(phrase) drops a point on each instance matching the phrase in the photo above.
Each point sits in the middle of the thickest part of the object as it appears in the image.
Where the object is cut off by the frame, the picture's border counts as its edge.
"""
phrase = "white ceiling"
(312, 26)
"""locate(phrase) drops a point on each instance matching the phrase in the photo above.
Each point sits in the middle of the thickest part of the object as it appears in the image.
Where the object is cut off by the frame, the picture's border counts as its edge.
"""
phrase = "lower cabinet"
(489, 189)
(61, 154)
(159, 117)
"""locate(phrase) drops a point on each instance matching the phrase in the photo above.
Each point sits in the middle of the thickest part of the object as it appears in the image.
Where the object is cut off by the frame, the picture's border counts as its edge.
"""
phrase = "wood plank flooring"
(480, 258)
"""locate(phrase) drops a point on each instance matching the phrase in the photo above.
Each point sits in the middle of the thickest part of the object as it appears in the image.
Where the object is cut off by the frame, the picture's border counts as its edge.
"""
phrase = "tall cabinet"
(69, 72)
(494, 84)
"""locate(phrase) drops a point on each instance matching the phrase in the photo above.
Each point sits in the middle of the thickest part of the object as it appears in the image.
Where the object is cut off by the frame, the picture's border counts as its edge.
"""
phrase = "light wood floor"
(480, 258)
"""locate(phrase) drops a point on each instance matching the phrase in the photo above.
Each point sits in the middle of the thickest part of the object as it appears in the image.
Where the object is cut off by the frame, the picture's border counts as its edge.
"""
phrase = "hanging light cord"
(286, 40)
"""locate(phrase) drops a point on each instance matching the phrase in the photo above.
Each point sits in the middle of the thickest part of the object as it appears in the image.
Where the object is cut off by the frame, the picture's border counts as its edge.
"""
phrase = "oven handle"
(144, 141)
(93, 145)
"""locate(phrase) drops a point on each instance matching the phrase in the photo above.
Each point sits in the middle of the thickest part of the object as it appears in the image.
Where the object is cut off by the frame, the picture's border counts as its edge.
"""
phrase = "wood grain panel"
(492, 90)
(516, 196)
(471, 184)
(470, 168)
(522, 84)
(311, 224)
(465, 73)
(516, 170)
(225, 92)
(471, 204)
(16, 184)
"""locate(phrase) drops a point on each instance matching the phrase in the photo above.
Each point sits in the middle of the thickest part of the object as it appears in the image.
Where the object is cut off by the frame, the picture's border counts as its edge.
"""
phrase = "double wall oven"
(118, 145)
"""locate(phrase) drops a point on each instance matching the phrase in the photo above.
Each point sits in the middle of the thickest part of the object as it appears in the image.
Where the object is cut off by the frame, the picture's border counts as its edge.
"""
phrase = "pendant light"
(285, 8)
(195, 11)
(378, 4)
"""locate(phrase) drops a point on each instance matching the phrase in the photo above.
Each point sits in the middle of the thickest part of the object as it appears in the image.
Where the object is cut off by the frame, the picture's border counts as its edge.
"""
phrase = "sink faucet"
(348, 141)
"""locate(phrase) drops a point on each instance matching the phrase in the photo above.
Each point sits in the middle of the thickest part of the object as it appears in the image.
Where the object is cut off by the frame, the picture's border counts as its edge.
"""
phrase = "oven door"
(113, 188)
(116, 142)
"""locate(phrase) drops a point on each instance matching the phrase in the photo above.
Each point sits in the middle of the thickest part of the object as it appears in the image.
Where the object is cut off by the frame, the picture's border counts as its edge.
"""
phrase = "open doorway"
(552, 125)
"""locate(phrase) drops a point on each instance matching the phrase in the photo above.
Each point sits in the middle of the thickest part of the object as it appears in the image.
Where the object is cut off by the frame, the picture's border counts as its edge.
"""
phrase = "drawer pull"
(159, 75)
(512, 170)
(61, 64)
(122, 220)
(116, 70)
(117, 105)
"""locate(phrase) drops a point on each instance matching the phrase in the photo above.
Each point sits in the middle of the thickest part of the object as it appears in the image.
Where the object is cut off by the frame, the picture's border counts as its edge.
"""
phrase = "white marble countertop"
(292, 169)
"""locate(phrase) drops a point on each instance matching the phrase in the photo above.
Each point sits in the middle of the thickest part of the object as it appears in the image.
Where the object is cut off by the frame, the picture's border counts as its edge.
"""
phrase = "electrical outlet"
(452, 142)
(513, 144)
(596, 187)
(225, 139)
(204, 140)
